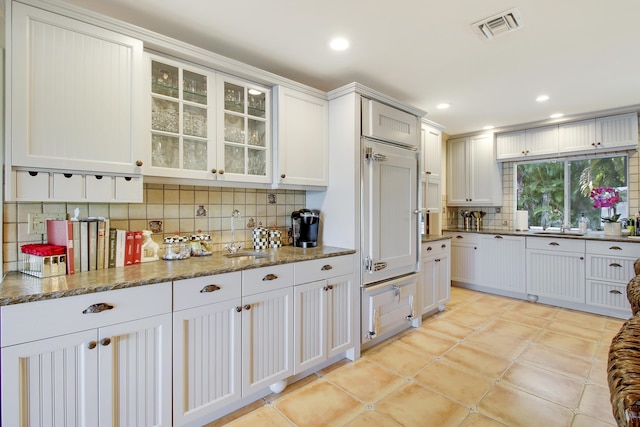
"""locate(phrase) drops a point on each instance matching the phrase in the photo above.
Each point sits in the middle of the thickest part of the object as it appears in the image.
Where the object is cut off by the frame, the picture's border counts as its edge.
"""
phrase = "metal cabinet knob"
(92, 345)
(105, 341)
(247, 306)
(238, 309)
(283, 176)
(221, 172)
(214, 170)
(138, 163)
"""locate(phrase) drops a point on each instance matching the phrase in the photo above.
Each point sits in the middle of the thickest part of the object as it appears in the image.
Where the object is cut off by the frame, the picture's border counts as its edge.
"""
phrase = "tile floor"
(484, 361)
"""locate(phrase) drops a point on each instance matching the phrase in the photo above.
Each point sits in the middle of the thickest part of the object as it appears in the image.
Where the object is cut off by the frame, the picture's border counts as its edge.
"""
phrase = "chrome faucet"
(232, 248)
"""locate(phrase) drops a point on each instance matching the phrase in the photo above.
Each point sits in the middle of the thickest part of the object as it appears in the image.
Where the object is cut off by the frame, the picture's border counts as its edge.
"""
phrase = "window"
(556, 192)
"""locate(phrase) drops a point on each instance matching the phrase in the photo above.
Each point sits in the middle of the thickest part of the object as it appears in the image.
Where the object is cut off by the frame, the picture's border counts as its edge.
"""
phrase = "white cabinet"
(207, 364)
(70, 108)
(105, 361)
(430, 175)
(381, 121)
(434, 291)
(556, 269)
(301, 126)
(244, 131)
(267, 327)
(180, 115)
(464, 257)
(600, 135)
(323, 310)
(527, 144)
(474, 177)
(502, 263)
(609, 269)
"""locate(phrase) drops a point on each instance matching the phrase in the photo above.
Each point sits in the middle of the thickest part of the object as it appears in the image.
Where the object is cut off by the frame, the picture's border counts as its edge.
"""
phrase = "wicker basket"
(624, 374)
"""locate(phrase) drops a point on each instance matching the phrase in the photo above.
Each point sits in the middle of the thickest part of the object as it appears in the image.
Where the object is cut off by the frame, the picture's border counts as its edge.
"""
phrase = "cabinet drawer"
(608, 295)
(616, 249)
(206, 290)
(128, 189)
(615, 269)
(320, 269)
(439, 247)
(68, 186)
(555, 244)
(267, 278)
(99, 188)
(31, 185)
(43, 319)
(462, 237)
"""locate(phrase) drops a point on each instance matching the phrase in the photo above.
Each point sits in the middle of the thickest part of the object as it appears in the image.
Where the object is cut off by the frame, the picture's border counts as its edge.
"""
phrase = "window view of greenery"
(557, 192)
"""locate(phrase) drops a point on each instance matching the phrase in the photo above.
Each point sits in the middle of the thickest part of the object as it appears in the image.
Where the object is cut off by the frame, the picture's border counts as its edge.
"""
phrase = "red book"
(128, 248)
(60, 232)
(137, 247)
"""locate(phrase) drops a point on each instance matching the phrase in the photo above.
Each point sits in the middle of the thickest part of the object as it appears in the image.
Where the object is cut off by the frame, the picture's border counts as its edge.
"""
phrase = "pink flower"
(606, 197)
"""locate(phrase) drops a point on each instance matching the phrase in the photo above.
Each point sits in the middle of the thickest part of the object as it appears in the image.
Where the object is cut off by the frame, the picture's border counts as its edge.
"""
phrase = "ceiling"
(584, 54)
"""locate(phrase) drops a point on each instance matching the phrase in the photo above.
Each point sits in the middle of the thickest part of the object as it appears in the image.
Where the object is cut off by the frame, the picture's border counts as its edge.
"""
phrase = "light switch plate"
(37, 222)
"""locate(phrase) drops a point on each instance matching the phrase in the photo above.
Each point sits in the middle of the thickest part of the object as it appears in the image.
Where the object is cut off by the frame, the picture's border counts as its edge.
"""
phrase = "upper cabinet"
(529, 143)
(431, 180)
(387, 123)
(75, 95)
(301, 125)
(180, 107)
(601, 134)
(474, 177)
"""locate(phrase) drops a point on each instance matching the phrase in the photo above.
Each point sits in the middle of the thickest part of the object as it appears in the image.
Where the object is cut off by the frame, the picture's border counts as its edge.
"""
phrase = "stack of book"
(92, 245)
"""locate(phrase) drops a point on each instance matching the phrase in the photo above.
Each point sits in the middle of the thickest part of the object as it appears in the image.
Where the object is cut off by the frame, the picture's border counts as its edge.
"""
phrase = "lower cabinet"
(502, 263)
(434, 291)
(108, 363)
(464, 257)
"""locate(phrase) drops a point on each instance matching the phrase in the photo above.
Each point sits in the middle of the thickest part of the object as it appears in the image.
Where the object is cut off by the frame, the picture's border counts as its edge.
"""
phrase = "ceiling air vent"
(499, 24)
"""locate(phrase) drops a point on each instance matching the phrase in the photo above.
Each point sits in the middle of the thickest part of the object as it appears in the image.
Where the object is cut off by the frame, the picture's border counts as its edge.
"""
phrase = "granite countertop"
(591, 235)
(19, 288)
(426, 238)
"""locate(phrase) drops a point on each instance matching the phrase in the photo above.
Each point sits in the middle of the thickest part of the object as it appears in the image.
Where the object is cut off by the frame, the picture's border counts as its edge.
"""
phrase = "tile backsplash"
(182, 209)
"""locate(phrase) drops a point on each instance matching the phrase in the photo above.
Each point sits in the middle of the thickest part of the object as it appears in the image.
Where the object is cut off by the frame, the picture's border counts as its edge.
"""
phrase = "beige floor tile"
(513, 330)
(569, 344)
(598, 374)
(517, 408)
(535, 309)
(429, 342)
(413, 405)
(450, 381)
(448, 328)
(466, 317)
(581, 420)
(319, 404)
(503, 345)
(365, 380)
(481, 362)
(557, 388)
(581, 319)
(482, 307)
(595, 403)
(254, 406)
(524, 319)
(370, 419)
(479, 420)
(614, 325)
(291, 388)
(264, 417)
(556, 360)
(602, 353)
(497, 301)
(572, 330)
(607, 336)
(400, 358)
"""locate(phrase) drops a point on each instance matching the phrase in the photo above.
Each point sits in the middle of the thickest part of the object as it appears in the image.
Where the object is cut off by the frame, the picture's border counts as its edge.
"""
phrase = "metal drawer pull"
(326, 267)
(105, 341)
(615, 248)
(97, 308)
(459, 237)
(614, 264)
(269, 277)
(428, 248)
(210, 288)
(554, 244)
(615, 291)
(444, 245)
(497, 237)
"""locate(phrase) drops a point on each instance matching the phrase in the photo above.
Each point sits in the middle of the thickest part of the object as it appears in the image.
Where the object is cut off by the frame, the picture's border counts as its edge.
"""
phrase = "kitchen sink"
(254, 255)
(559, 233)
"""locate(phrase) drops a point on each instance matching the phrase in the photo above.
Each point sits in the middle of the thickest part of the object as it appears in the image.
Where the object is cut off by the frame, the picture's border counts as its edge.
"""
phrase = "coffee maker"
(304, 228)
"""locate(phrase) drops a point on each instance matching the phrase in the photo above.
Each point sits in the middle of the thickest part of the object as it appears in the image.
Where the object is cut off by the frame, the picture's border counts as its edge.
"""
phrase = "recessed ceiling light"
(254, 92)
(443, 106)
(488, 127)
(556, 116)
(339, 43)
(542, 98)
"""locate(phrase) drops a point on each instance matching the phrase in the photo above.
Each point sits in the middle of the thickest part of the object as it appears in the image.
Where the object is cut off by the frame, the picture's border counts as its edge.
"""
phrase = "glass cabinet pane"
(233, 128)
(256, 102)
(195, 121)
(234, 159)
(233, 98)
(256, 133)
(164, 79)
(257, 164)
(194, 87)
(165, 151)
(195, 155)
(165, 115)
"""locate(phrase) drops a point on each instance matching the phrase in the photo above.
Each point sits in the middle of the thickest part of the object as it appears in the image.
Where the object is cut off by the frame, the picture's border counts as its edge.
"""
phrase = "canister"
(275, 238)
(260, 238)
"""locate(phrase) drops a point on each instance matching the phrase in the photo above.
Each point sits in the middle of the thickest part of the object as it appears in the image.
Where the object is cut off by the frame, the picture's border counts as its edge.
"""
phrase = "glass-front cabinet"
(244, 131)
(182, 124)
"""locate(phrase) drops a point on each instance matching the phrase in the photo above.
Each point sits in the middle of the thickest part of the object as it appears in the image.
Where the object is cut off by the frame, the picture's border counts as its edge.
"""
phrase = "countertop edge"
(592, 235)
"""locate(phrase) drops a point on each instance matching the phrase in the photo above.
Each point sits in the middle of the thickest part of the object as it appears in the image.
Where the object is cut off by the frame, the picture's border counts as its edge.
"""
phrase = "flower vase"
(612, 229)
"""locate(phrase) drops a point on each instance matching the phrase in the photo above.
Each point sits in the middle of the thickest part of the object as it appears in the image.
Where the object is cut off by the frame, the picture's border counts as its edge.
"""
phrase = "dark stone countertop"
(591, 235)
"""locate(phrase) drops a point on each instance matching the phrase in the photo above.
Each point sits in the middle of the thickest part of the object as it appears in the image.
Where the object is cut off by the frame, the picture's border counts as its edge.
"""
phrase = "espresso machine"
(304, 228)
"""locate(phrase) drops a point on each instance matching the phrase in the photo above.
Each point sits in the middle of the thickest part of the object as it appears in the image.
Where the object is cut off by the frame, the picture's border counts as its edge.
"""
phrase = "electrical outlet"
(37, 222)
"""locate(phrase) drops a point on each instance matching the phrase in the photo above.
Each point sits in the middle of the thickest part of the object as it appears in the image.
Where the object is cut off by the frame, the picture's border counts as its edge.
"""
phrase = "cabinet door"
(310, 327)
(541, 141)
(340, 315)
(427, 286)
(463, 263)
(502, 262)
(267, 339)
(511, 145)
(616, 132)
(485, 177)
(302, 128)
(135, 373)
(458, 172)
(555, 274)
(431, 151)
(180, 108)
(206, 359)
(442, 280)
(577, 136)
(51, 382)
(244, 131)
(431, 194)
(70, 106)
